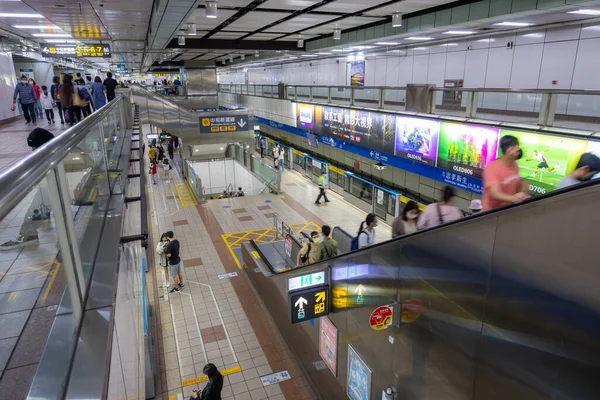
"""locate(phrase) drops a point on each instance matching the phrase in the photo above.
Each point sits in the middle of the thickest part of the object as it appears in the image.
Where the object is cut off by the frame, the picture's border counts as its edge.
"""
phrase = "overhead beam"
(217, 44)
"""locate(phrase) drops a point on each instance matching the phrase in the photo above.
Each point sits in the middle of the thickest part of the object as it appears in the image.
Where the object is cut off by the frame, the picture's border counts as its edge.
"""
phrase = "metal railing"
(577, 109)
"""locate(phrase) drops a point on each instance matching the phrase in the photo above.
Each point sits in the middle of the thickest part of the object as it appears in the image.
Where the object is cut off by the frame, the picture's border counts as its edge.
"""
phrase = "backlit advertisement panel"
(546, 159)
(328, 343)
(417, 139)
(305, 115)
(466, 149)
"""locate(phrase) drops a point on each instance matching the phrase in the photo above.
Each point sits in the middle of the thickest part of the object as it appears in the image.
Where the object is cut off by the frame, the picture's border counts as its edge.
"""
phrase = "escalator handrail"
(494, 211)
(263, 257)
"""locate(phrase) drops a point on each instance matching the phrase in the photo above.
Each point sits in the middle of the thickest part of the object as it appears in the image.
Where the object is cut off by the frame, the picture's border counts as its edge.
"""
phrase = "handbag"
(77, 100)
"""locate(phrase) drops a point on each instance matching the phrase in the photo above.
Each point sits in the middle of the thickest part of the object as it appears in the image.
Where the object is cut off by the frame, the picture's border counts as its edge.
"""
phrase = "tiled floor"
(221, 320)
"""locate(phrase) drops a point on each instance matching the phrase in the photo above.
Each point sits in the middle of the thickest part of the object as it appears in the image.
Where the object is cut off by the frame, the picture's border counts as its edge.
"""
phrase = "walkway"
(217, 317)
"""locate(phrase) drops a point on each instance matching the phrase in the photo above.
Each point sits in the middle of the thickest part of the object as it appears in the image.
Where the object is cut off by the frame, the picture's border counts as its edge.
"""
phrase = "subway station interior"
(299, 199)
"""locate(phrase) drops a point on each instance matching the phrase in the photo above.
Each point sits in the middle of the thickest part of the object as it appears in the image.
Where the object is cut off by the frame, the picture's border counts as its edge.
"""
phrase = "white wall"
(568, 55)
(8, 80)
(217, 175)
(42, 71)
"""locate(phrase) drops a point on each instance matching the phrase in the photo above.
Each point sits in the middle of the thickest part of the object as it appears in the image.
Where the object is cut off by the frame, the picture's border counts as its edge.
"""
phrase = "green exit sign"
(306, 281)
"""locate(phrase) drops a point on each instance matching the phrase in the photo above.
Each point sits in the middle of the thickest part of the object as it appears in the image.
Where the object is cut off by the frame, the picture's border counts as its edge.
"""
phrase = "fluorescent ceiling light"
(534, 35)
(362, 47)
(585, 12)
(308, 55)
(57, 35)
(36, 27)
(396, 20)
(210, 9)
(396, 51)
(419, 38)
(387, 43)
(324, 54)
(337, 34)
(486, 40)
(449, 44)
(338, 50)
(517, 24)
(420, 48)
(459, 33)
(60, 41)
(17, 15)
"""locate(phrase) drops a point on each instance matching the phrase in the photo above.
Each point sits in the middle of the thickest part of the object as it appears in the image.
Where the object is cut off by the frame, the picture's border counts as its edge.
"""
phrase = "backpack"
(354, 242)
(83, 92)
(304, 258)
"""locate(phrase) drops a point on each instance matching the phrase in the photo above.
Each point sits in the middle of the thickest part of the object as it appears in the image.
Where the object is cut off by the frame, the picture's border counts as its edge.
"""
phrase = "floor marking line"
(176, 340)
(220, 317)
(202, 378)
(230, 248)
(197, 325)
(50, 283)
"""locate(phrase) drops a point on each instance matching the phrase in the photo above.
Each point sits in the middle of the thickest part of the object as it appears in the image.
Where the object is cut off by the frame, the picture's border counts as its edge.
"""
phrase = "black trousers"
(29, 112)
(60, 111)
(50, 115)
(322, 194)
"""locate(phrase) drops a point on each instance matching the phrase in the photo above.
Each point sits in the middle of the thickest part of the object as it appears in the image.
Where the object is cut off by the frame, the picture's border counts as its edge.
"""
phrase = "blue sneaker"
(174, 290)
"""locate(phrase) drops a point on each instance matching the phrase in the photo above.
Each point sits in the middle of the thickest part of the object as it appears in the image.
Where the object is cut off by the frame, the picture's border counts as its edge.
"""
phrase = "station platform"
(217, 317)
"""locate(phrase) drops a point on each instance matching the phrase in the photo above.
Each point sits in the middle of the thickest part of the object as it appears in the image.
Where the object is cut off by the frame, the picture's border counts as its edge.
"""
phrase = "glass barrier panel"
(394, 99)
(320, 93)
(340, 95)
(268, 91)
(366, 97)
(258, 90)
(392, 206)
(361, 190)
(381, 202)
(275, 90)
(303, 92)
(291, 92)
(267, 174)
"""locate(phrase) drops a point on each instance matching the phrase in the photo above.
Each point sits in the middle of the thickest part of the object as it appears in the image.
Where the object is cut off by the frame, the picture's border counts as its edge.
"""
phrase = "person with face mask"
(502, 184)
(587, 167)
(27, 99)
(406, 222)
(441, 212)
(366, 232)
(308, 254)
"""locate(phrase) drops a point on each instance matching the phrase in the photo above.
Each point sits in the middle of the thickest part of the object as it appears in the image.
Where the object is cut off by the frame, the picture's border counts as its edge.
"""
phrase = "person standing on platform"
(322, 189)
(281, 158)
(110, 85)
(262, 142)
(502, 184)
(55, 93)
(166, 167)
(151, 153)
(170, 149)
(214, 386)
(47, 104)
(39, 112)
(440, 213)
(98, 95)
(153, 172)
(172, 252)
(27, 99)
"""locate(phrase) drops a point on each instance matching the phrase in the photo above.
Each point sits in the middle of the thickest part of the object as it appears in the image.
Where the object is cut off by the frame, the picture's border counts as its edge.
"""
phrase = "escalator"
(502, 305)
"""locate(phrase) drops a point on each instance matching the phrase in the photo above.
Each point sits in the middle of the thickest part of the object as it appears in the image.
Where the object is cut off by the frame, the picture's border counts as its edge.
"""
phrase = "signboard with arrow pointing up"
(225, 123)
(308, 304)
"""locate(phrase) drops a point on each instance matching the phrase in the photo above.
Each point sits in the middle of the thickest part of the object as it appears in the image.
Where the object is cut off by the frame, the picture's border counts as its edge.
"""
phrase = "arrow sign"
(360, 290)
(319, 297)
(241, 123)
(301, 302)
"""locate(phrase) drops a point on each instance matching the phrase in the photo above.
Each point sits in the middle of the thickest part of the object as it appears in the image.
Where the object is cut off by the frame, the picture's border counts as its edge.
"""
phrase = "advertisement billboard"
(546, 159)
(359, 377)
(357, 73)
(417, 139)
(328, 342)
(466, 149)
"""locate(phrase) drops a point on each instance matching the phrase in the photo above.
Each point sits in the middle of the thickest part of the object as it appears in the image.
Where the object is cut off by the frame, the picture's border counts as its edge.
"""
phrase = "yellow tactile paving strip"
(185, 194)
(265, 235)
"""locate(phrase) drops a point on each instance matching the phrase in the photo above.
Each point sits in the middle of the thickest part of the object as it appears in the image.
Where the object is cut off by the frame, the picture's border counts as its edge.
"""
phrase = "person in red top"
(38, 92)
(153, 172)
(502, 184)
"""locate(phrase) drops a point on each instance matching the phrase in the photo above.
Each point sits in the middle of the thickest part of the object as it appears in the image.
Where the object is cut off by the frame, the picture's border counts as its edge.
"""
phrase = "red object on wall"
(356, 164)
(554, 82)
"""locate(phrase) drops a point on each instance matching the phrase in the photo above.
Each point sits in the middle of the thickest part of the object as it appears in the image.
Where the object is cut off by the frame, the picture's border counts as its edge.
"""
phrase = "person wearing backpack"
(327, 247)
(440, 213)
(86, 98)
(55, 93)
(69, 98)
(366, 232)
(308, 252)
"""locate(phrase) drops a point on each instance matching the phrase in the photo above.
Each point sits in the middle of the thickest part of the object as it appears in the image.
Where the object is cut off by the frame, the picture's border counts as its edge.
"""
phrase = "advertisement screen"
(466, 149)
(417, 139)
(312, 139)
(594, 148)
(357, 73)
(546, 159)
(305, 115)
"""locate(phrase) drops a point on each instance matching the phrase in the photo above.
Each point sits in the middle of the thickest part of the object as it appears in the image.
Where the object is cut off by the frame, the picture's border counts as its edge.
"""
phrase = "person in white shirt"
(440, 213)
(47, 104)
(281, 157)
(366, 233)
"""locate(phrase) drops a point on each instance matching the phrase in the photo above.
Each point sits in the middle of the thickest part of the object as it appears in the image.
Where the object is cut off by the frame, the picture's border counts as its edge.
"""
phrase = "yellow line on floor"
(231, 252)
(54, 272)
(185, 198)
(202, 378)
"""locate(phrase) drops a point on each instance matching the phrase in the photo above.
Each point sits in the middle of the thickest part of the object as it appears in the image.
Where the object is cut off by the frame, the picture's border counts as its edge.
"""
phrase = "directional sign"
(306, 281)
(80, 50)
(225, 123)
(308, 304)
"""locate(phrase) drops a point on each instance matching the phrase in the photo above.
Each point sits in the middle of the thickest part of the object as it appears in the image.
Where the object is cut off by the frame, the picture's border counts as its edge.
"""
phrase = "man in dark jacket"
(27, 99)
(39, 209)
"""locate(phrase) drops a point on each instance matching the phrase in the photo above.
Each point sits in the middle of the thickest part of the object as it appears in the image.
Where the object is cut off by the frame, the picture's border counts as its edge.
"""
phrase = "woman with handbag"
(71, 101)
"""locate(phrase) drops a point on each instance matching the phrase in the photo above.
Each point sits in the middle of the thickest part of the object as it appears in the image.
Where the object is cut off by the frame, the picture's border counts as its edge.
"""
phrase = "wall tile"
(586, 68)
(563, 33)
(558, 64)
(455, 65)
(475, 68)
(420, 70)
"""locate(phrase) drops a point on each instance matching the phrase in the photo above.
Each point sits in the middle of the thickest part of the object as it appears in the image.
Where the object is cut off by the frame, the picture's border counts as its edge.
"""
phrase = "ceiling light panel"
(263, 36)
(40, 27)
(459, 33)
(585, 12)
(406, 6)
(255, 20)
(287, 4)
(228, 35)
(302, 22)
(350, 6)
(346, 23)
(514, 24)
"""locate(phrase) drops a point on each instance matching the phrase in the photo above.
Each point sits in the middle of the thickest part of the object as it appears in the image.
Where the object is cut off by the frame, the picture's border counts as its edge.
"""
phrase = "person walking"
(406, 222)
(170, 149)
(39, 213)
(214, 386)
(38, 92)
(475, 206)
(67, 94)
(55, 93)
(47, 104)
(441, 212)
(27, 99)
(172, 252)
(262, 142)
(327, 247)
(322, 188)
(153, 172)
(366, 231)
(98, 95)
(79, 80)
(110, 85)
(502, 184)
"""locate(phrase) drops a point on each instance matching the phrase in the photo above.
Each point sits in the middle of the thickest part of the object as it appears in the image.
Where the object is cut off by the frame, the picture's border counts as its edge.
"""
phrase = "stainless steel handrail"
(18, 180)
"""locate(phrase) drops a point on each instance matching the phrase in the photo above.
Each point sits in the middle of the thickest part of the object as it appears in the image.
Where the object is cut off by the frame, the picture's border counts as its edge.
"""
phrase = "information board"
(306, 281)
(360, 377)
(328, 343)
(227, 123)
(80, 50)
(309, 304)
